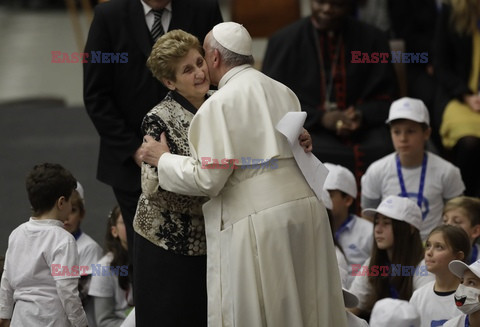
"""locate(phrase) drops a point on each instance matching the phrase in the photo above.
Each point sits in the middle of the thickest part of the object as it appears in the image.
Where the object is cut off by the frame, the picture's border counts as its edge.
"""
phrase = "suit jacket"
(117, 96)
(292, 59)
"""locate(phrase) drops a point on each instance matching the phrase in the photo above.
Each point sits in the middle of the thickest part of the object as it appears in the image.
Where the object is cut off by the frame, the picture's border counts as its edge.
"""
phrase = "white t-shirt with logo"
(356, 240)
(434, 309)
(442, 182)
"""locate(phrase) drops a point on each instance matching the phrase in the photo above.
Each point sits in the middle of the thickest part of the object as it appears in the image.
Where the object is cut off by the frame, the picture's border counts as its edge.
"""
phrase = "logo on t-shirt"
(425, 204)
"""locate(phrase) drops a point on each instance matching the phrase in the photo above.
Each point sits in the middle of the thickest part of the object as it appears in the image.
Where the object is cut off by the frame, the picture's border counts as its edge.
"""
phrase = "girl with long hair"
(110, 287)
(395, 267)
(435, 301)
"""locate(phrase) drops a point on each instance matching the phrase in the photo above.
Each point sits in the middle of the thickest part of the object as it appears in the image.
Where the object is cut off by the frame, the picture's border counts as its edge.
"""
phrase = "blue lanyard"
(343, 227)
(422, 179)
(474, 254)
(467, 321)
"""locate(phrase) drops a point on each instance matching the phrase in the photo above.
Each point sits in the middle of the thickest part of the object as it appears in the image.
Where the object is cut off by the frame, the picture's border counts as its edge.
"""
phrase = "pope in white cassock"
(270, 254)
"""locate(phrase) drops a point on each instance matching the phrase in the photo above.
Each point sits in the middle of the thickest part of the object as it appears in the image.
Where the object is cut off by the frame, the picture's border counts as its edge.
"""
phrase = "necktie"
(157, 28)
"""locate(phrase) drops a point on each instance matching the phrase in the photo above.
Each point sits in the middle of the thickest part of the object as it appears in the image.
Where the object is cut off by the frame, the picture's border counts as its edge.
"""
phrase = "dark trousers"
(170, 289)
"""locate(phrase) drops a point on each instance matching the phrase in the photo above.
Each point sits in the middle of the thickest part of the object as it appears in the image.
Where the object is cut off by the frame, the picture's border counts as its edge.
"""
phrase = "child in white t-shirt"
(467, 296)
(89, 252)
(435, 301)
(411, 171)
(110, 287)
(39, 285)
(464, 211)
(395, 268)
(354, 234)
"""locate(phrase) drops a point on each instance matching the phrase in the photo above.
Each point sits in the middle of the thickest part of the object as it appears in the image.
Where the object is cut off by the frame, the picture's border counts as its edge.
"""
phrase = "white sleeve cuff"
(6, 298)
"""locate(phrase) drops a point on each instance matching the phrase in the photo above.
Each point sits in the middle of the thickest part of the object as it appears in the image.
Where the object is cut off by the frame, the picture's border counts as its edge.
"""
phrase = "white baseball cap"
(399, 208)
(340, 178)
(79, 189)
(458, 268)
(327, 201)
(394, 313)
(234, 37)
(409, 108)
(350, 299)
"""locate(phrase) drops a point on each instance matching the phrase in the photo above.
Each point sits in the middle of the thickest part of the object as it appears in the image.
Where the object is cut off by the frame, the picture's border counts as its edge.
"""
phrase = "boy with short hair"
(411, 171)
(354, 234)
(32, 292)
(464, 212)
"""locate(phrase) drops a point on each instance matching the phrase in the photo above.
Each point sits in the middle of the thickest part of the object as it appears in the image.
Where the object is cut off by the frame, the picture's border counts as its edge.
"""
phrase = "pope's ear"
(216, 58)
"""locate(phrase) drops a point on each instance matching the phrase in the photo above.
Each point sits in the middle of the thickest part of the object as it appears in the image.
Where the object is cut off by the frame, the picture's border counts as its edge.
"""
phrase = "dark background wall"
(38, 131)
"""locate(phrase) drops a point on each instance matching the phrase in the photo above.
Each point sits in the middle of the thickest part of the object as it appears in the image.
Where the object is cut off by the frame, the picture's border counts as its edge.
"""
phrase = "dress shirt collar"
(147, 8)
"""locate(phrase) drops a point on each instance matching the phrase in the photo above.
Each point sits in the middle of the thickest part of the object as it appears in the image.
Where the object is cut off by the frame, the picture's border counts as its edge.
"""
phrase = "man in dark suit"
(118, 95)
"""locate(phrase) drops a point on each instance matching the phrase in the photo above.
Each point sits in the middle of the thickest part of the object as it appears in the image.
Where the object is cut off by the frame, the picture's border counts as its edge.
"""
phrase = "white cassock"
(270, 254)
